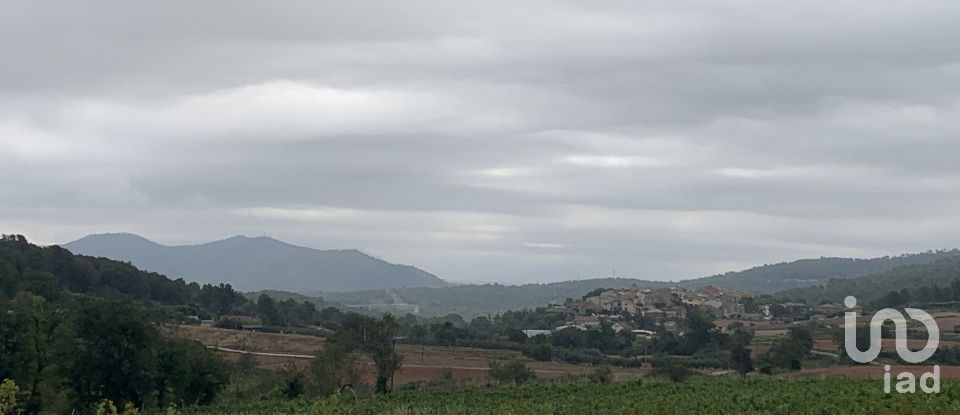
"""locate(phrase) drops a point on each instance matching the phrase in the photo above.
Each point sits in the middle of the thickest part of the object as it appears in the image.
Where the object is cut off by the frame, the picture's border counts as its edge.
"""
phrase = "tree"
(740, 355)
(892, 299)
(108, 354)
(663, 365)
(602, 375)
(187, 373)
(740, 359)
(803, 336)
(788, 353)
(219, 299)
(570, 337)
(513, 371)
(379, 341)
(267, 309)
(11, 360)
(8, 280)
(35, 337)
(8, 397)
(541, 351)
(699, 331)
(334, 367)
(52, 339)
(293, 383)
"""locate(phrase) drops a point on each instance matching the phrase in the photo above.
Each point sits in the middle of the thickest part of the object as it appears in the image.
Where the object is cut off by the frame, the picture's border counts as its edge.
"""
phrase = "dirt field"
(887, 345)
(420, 362)
(947, 321)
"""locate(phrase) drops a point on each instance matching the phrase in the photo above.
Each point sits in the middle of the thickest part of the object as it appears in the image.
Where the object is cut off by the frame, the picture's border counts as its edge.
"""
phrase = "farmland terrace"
(275, 351)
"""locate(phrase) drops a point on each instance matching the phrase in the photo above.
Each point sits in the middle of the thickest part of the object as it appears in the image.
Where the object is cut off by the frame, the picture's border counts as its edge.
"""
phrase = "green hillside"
(475, 300)
(768, 279)
(933, 282)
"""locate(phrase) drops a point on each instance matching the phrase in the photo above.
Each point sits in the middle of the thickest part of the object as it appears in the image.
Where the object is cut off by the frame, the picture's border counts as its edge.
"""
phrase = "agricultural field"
(277, 351)
(700, 395)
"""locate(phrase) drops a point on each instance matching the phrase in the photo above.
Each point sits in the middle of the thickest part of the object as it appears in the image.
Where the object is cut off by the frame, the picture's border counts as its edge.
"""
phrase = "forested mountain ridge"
(260, 263)
(937, 281)
(54, 272)
(768, 279)
(75, 330)
(473, 300)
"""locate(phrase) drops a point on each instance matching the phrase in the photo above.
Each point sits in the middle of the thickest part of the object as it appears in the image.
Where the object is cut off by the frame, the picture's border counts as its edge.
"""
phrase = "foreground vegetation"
(81, 334)
(713, 395)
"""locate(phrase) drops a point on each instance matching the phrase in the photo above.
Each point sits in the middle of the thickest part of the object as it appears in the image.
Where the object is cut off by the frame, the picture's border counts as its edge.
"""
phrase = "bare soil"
(420, 362)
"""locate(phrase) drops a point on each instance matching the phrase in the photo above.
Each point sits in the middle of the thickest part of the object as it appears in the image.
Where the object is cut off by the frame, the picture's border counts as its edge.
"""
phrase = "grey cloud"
(507, 141)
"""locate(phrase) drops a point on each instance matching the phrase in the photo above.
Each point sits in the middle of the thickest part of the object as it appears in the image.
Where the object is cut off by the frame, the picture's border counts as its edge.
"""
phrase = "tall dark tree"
(187, 373)
(335, 366)
(740, 354)
(267, 309)
(36, 339)
(379, 341)
(698, 330)
(108, 354)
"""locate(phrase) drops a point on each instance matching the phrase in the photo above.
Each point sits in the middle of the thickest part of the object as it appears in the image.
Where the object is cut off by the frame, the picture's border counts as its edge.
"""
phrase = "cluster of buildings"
(666, 306)
(662, 303)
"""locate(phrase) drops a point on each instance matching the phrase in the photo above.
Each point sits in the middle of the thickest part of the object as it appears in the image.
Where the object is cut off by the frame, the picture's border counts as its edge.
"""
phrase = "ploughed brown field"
(419, 362)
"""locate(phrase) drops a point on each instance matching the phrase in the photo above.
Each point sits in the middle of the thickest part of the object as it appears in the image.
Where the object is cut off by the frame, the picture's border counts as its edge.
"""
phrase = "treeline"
(768, 279)
(924, 294)
(74, 331)
(54, 273)
(79, 333)
(75, 352)
(916, 283)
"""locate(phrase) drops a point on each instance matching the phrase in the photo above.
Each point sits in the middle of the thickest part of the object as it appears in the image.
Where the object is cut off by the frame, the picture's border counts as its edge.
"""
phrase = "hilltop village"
(644, 311)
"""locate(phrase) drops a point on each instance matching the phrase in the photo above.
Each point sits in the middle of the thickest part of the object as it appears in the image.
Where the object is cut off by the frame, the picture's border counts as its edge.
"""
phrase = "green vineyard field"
(702, 395)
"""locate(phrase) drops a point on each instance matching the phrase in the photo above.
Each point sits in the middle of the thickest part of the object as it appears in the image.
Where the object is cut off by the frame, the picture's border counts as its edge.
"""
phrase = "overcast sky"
(490, 141)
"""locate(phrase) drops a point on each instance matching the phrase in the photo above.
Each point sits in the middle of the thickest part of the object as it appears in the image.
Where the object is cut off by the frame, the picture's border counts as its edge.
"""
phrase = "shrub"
(293, 383)
(602, 375)
(541, 351)
(8, 397)
(512, 372)
(669, 368)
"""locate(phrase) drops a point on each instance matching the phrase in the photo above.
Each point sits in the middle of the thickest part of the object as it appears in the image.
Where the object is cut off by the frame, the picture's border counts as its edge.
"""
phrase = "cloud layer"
(491, 141)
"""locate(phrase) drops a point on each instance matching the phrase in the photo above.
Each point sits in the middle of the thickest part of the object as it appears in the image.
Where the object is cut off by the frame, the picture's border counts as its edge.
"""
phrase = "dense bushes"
(76, 330)
(539, 351)
(514, 372)
(670, 368)
(84, 350)
(53, 273)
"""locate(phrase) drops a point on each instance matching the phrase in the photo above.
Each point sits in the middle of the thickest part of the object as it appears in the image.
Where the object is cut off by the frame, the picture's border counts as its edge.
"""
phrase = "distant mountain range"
(259, 263)
(473, 300)
(353, 278)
